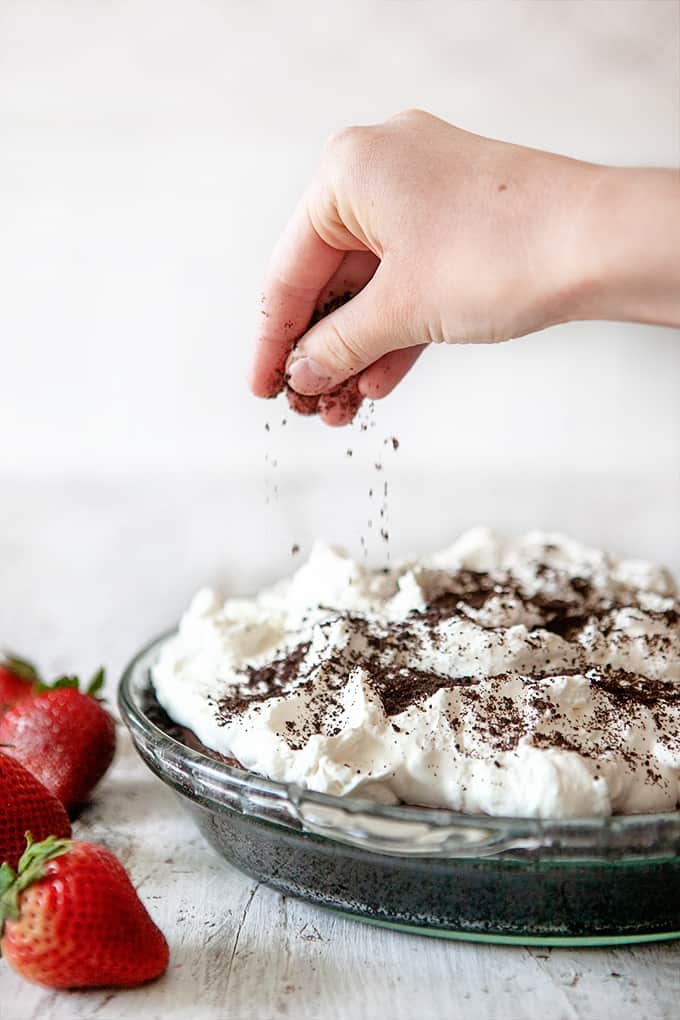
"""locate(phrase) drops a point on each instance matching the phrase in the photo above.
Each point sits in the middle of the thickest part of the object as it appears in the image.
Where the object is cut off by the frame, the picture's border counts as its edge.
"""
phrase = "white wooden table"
(89, 572)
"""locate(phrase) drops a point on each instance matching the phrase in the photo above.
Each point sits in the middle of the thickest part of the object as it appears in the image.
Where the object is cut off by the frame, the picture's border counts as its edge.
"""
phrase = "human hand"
(444, 237)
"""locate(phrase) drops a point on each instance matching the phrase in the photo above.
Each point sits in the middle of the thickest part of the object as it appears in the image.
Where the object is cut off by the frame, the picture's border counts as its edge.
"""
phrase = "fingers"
(301, 265)
(377, 381)
(336, 408)
(354, 272)
(348, 340)
(305, 406)
(381, 377)
(340, 406)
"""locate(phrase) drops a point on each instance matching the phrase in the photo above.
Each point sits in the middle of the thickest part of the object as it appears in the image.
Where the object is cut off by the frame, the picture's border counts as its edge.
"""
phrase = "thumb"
(348, 340)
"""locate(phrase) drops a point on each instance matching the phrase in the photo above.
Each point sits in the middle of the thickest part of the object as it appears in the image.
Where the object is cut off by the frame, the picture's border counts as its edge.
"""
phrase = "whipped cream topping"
(534, 677)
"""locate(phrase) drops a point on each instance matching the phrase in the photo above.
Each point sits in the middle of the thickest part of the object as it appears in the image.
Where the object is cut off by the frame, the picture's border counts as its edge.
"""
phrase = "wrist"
(627, 252)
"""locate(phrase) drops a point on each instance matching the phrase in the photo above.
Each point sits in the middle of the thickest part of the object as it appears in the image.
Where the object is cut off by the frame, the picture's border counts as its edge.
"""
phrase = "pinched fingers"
(301, 265)
(349, 339)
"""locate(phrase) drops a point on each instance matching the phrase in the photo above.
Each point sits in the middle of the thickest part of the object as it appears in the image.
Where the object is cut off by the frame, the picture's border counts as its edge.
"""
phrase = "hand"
(445, 237)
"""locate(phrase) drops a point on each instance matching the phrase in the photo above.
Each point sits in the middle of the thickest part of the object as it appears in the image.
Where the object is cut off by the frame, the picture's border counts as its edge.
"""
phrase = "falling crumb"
(349, 453)
(266, 426)
(294, 549)
(284, 421)
(378, 466)
(395, 443)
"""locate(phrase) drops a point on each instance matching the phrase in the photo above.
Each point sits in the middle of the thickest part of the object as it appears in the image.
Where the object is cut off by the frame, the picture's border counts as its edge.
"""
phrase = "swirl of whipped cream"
(534, 677)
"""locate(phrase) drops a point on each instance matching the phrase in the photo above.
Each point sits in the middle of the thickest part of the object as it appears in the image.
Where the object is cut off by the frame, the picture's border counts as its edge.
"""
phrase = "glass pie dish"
(589, 881)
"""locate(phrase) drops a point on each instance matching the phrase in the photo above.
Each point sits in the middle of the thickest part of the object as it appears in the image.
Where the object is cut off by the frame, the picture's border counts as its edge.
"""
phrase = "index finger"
(301, 265)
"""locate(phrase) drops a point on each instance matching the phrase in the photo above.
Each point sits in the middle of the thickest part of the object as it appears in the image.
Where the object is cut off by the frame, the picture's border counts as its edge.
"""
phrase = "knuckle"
(413, 115)
(347, 144)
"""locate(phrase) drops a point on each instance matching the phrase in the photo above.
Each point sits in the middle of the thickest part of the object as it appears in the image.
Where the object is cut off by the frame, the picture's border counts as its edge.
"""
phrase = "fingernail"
(308, 377)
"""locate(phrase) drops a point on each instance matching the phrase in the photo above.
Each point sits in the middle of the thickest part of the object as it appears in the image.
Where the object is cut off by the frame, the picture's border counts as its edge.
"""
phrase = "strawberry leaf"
(72, 681)
(97, 682)
(7, 876)
(63, 681)
(8, 895)
(22, 668)
(31, 868)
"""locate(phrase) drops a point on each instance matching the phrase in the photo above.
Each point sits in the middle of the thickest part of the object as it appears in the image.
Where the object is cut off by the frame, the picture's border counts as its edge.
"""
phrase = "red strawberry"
(72, 919)
(18, 680)
(64, 737)
(26, 804)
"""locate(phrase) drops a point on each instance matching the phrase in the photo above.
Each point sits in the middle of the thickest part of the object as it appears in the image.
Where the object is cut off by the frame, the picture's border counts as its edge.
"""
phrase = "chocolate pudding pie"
(536, 677)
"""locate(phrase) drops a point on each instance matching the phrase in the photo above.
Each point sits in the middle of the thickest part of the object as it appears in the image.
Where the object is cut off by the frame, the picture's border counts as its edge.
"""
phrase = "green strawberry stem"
(93, 688)
(31, 868)
(59, 683)
(25, 670)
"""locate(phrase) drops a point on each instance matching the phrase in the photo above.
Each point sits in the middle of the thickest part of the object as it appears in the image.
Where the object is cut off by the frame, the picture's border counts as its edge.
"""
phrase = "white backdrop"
(150, 153)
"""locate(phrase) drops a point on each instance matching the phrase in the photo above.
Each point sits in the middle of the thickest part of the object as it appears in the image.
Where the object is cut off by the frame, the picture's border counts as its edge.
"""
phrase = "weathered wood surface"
(241, 950)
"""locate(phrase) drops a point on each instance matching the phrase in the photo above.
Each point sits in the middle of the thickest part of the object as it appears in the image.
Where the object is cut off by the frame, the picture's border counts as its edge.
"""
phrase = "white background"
(150, 153)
